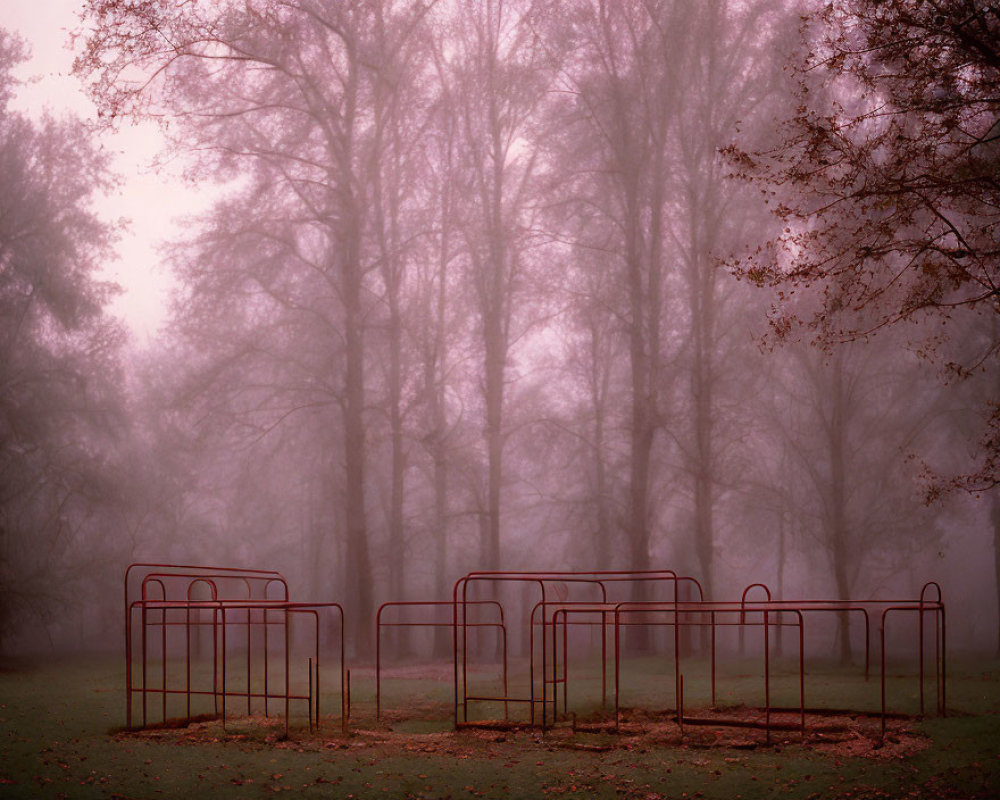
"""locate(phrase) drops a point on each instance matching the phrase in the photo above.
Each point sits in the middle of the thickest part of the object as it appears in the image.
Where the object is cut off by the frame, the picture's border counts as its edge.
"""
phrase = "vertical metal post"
(604, 659)
(713, 660)
(288, 681)
(802, 674)
(506, 690)
(267, 687)
(222, 612)
(920, 639)
(145, 656)
(465, 653)
(315, 616)
(378, 662)
(249, 658)
(565, 664)
(617, 632)
(187, 665)
(882, 642)
(216, 634)
(677, 650)
(944, 666)
(454, 646)
(163, 662)
(767, 680)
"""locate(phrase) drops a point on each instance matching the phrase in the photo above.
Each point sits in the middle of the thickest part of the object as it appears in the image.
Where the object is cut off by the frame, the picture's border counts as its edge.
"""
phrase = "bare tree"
(731, 77)
(846, 422)
(499, 73)
(293, 97)
(625, 83)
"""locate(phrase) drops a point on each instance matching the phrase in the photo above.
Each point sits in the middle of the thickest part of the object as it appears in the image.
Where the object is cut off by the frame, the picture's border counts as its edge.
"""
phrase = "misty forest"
(512, 284)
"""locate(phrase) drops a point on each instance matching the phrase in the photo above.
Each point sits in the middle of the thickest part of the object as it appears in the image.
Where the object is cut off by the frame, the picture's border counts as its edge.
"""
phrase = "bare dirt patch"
(849, 734)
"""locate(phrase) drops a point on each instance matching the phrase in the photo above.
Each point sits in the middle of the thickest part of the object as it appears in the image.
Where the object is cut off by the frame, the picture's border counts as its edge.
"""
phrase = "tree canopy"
(59, 378)
(886, 180)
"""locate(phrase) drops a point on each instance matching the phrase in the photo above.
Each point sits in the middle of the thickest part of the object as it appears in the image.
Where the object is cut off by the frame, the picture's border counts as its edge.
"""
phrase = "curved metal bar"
(246, 579)
(937, 637)
(930, 585)
(743, 598)
(225, 609)
(588, 577)
(920, 607)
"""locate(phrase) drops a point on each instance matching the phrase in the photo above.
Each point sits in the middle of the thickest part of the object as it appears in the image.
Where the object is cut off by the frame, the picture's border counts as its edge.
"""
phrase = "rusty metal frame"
(743, 608)
(598, 578)
(921, 606)
(176, 585)
(159, 596)
(712, 609)
(707, 615)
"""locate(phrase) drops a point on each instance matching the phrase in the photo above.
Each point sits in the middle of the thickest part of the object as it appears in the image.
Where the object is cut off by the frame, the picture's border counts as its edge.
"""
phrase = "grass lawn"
(60, 737)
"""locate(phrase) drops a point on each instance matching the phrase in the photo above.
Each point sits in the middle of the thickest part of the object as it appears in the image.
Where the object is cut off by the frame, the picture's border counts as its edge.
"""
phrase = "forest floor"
(61, 735)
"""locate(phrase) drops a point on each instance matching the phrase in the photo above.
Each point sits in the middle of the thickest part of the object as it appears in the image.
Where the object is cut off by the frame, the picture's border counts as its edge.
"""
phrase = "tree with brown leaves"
(887, 180)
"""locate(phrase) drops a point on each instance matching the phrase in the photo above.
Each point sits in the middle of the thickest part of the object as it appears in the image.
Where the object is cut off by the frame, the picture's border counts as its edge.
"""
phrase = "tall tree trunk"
(357, 558)
(385, 206)
(346, 251)
(358, 577)
(599, 393)
(436, 370)
(780, 587)
(644, 254)
(702, 302)
(397, 542)
(995, 515)
(837, 512)
(642, 421)
(704, 484)
(995, 508)
(495, 310)
(442, 636)
(490, 550)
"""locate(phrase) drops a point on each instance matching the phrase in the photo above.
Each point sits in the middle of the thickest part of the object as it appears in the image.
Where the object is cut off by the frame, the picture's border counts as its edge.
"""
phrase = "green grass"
(57, 739)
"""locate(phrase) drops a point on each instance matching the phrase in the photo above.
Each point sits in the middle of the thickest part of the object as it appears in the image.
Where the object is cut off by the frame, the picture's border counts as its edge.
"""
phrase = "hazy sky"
(150, 199)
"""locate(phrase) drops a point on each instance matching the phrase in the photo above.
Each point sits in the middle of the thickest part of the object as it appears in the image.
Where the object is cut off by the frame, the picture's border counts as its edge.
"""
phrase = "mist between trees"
(467, 301)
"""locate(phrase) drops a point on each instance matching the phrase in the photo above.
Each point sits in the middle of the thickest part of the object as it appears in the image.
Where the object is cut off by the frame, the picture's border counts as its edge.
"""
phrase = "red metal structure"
(549, 653)
(546, 582)
(245, 610)
(767, 615)
(256, 653)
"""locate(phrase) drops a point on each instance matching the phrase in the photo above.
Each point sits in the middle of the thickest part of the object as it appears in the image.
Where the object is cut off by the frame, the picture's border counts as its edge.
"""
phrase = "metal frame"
(228, 607)
(160, 596)
(694, 614)
(553, 617)
(597, 578)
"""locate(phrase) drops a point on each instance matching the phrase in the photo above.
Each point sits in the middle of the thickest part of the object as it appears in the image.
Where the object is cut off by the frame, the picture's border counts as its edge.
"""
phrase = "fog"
(481, 285)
